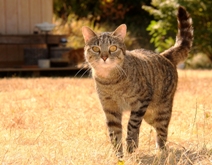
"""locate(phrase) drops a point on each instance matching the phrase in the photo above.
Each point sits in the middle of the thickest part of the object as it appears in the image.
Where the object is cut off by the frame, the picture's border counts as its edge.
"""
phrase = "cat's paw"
(131, 146)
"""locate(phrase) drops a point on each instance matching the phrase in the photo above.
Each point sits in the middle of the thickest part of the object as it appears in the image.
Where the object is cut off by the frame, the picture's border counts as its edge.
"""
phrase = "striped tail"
(184, 38)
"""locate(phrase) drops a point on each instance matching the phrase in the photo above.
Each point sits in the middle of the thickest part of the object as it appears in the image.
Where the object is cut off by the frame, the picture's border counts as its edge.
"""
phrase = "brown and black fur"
(141, 81)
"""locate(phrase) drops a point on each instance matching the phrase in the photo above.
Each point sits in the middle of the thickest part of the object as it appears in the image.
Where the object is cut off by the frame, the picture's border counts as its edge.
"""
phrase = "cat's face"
(106, 51)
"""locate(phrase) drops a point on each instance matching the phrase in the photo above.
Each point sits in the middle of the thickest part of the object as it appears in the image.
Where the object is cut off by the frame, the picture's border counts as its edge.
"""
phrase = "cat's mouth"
(103, 68)
(107, 64)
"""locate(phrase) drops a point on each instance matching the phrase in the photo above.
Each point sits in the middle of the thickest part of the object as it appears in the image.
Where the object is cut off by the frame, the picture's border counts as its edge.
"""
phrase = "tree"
(163, 27)
(110, 13)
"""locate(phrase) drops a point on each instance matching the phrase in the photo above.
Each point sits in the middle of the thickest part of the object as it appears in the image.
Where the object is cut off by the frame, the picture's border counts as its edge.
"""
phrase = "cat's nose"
(104, 57)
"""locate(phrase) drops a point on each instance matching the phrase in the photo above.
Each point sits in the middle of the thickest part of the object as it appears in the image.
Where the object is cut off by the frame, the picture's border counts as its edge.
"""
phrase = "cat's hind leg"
(160, 119)
(161, 126)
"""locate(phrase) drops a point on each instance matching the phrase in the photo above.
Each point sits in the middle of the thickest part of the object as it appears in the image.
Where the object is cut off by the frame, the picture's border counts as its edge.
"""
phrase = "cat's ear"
(88, 34)
(120, 32)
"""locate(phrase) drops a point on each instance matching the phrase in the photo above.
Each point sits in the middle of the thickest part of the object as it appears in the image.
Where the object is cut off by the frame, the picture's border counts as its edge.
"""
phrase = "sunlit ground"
(59, 121)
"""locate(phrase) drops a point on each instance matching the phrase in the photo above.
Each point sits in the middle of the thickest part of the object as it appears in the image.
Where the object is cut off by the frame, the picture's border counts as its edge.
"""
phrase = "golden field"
(58, 121)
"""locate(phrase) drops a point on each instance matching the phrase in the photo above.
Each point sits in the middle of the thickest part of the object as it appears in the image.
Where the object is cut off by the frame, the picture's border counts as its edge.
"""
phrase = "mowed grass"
(59, 121)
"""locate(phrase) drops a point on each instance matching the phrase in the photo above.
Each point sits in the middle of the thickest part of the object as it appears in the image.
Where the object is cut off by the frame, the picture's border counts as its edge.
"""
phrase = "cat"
(141, 81)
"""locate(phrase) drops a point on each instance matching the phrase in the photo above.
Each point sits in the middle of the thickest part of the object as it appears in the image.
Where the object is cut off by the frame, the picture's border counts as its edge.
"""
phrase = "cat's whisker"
(84, 66)
(78, 72)
(121, 70)
(88, 69)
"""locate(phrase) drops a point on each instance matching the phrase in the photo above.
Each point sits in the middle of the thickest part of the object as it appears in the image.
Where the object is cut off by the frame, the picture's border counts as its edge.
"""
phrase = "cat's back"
(150, 67)
(141, 57)
(141, 52)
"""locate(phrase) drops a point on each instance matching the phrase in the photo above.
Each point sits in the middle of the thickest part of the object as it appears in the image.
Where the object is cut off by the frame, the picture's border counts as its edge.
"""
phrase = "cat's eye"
(113, 48)
(95, 49)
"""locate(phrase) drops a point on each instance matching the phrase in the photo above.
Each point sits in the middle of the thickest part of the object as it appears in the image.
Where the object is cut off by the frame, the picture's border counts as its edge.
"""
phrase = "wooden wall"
(20, 16)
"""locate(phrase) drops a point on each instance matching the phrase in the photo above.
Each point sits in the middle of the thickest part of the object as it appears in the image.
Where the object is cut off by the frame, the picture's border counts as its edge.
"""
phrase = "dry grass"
(58, 121)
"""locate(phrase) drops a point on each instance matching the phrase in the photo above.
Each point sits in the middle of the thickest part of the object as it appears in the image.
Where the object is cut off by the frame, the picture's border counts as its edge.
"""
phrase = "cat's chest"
(123, 93)
(123, 96)
(122, 101)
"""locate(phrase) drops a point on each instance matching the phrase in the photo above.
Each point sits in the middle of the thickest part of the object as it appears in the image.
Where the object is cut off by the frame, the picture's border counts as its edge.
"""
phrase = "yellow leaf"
(120, 162)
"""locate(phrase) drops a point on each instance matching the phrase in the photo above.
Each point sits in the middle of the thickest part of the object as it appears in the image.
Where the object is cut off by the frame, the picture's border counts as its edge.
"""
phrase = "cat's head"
(105, 51)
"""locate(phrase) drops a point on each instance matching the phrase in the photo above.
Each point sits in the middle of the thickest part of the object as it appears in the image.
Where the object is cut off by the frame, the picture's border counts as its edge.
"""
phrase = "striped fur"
(184, 38)
(140, 81)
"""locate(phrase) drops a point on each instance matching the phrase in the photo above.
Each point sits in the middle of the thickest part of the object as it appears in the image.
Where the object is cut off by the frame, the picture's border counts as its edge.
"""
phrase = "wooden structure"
(20, 16)
(17, 30)
(12, 47)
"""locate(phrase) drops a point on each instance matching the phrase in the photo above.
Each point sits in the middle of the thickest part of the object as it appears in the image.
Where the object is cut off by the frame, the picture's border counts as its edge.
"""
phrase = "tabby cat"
(141, 81)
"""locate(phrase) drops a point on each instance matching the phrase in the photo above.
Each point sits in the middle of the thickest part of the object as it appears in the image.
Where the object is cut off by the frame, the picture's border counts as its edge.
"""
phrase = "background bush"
(151, 24)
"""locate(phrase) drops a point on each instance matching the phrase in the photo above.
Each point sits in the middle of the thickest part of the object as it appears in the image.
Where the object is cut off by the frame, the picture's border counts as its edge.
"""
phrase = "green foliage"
(159, 35)
(110, 14)
(163, 28)
(100, 10)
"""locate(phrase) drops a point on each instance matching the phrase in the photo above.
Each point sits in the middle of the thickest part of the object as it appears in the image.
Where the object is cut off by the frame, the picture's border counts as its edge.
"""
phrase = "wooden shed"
(20, 16)
(17, 29)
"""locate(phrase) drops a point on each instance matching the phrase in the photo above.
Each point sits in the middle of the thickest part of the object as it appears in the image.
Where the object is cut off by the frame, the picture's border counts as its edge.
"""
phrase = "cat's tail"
(184, 38)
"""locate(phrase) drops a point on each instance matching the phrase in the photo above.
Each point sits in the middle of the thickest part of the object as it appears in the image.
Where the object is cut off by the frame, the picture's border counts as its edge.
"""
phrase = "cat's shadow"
(177, 157)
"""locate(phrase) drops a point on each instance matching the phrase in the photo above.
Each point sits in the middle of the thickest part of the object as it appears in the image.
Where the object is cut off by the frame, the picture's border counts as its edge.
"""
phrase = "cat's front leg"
(134, 123)
(113, 119)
